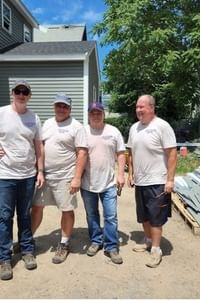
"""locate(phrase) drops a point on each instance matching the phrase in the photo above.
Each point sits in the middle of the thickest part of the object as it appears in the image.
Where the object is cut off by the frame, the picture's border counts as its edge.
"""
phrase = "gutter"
(30, 58)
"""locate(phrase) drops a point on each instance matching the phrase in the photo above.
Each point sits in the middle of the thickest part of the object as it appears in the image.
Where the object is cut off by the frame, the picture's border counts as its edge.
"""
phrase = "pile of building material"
(187, 198)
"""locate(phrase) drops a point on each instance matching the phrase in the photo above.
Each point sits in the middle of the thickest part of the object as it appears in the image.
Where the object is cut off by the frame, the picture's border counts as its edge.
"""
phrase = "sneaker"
(142, 246)
(61, 254)
(6, 271)
(114, 256)
(93, 249)
(30, 262)
(154, 259)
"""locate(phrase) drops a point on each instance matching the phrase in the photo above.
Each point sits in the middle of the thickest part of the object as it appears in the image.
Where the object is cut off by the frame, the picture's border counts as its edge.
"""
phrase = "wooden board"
(187, 217)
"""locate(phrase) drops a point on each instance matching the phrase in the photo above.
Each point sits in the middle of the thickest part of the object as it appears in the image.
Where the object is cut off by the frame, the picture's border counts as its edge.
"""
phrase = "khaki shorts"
(55, 192)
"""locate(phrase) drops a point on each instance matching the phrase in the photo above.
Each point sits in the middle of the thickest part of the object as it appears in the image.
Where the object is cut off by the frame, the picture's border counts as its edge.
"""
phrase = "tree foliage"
(156, 50)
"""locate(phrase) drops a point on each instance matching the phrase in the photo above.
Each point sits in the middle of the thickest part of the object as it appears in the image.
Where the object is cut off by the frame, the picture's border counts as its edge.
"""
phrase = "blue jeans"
(108, 237)
(15, 193)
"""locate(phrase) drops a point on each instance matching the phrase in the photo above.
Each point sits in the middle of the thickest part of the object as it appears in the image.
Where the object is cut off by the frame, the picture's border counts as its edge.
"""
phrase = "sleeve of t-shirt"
(168, 137)
(38, 135)
(81, 137)
(120, 142)
(129, 143)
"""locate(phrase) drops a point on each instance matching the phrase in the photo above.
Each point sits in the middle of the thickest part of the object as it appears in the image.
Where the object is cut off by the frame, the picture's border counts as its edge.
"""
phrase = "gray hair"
(150, 98)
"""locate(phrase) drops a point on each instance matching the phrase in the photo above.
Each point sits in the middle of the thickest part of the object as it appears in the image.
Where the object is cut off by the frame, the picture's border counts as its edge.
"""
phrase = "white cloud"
(72, 12)
(91, 16)
(38, 11)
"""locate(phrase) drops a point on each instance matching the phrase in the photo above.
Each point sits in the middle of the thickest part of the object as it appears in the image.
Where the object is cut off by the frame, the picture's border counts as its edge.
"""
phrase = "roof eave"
(25, 12)
(43, 57)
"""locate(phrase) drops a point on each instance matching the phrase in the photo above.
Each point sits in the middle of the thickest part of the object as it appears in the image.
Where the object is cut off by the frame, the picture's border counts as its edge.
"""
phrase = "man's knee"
(36, 209)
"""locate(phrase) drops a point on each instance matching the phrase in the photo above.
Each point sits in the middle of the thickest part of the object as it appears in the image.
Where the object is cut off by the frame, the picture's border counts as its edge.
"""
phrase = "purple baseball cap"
(95, 106)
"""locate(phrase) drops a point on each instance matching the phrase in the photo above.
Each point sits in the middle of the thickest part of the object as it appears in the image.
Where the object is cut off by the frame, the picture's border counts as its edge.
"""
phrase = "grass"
(187, 163)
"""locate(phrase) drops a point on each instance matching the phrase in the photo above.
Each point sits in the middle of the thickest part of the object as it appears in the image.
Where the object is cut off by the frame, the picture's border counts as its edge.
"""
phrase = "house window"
(94, 94)
(6, 17)
(27, 34)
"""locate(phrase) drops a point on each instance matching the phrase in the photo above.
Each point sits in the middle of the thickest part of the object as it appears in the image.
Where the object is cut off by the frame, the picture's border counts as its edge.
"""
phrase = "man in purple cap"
(99, 182)
(65, 147)
(21, 165)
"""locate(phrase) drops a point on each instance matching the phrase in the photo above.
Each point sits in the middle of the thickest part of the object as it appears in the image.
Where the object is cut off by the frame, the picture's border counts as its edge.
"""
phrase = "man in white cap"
(21, 165)
(106, 146)
(65, 145)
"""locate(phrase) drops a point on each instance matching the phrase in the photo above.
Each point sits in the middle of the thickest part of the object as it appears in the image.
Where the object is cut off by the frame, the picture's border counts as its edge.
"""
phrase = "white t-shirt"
(60, 142)
(17, 135)
(99, 174)
(147, 143)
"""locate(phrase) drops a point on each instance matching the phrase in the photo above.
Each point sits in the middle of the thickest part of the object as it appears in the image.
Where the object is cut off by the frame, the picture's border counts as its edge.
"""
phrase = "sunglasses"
(63, 106)
(25, 92)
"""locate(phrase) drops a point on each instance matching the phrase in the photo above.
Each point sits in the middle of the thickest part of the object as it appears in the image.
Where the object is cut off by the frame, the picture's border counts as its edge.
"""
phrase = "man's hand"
(169, 185)
(40, 179)
(130, 181)
(75, 185)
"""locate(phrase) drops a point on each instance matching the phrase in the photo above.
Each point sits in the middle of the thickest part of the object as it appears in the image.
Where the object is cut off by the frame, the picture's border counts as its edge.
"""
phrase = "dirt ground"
(80, 276)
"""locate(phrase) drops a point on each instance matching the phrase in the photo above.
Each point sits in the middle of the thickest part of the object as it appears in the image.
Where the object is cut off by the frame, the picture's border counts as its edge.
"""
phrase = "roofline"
(30, 58)
(25, 12)
(62, 25)
(98, 65)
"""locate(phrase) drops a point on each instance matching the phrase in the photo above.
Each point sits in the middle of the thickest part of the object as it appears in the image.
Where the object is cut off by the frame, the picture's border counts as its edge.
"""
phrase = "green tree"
(156, 50)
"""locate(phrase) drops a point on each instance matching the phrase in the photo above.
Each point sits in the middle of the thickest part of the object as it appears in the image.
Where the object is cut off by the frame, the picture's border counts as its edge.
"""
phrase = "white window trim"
(3, 18)
(27, 30)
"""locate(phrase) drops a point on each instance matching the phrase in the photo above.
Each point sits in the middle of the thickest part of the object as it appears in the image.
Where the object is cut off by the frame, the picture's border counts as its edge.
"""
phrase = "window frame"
(5, 19)
(27, 30)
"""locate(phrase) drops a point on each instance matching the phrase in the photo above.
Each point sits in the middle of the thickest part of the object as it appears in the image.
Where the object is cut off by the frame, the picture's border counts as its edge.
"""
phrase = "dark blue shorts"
(152, 204)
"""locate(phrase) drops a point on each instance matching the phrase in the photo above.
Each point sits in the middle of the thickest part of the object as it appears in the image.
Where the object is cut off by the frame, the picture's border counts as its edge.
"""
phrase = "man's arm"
(171, 154)
(130, 169)
(82, 154)
(39, 152)
(121, 166)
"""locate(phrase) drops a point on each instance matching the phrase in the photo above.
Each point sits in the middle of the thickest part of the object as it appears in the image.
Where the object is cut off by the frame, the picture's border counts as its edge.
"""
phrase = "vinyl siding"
(17, 25)
(46, 79)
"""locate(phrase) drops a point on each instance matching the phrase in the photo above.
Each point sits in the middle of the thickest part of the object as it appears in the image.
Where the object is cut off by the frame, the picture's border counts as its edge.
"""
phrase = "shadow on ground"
(78, 244)
(166, 245)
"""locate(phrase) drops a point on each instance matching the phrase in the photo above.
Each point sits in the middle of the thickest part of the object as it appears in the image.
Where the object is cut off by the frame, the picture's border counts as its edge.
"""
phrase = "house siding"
(17, 32)
(46, 79)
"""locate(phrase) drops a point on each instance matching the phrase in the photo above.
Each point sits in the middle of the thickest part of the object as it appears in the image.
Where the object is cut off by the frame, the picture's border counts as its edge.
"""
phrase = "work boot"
(114, 256)
(61, 254)
(29, 261)
(6, 270)
(93, 249)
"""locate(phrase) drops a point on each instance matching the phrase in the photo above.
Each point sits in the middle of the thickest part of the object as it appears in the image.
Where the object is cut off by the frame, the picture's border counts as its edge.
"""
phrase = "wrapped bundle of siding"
(188, 189)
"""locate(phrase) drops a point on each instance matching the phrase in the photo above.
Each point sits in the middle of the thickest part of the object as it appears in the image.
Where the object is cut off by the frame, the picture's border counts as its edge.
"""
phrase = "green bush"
(123, 123)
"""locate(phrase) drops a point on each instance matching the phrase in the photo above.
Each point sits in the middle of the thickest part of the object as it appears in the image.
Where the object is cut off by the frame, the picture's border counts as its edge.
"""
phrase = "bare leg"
(36, 217)
(67, 223)
(147, 229)
(156, 234)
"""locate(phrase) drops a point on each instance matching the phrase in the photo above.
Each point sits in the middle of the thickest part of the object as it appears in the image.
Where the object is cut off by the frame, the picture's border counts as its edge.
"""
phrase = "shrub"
(123, 123)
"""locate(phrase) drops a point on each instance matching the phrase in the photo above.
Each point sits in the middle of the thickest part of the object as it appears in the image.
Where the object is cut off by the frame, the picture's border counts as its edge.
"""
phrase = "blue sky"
(69, 12)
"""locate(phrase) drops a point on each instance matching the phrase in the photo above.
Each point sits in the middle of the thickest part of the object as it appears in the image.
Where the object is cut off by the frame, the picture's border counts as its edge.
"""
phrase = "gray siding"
(93, 77)
(46, 80)
(17, 34)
